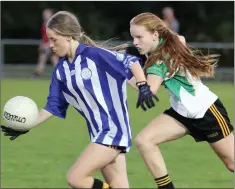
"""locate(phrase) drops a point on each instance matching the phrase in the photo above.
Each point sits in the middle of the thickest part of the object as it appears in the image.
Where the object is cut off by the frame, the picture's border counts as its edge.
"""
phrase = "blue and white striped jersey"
(95, 85)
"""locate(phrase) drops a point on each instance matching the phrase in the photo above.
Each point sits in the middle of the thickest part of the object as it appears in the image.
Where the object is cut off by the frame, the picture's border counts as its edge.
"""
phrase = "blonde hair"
(180, 55)
(66, 24)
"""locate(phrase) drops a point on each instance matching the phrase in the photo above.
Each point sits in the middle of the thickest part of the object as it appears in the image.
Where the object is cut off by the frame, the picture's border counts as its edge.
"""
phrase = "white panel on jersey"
(58, 75)
(71, 89)
(124, 92)
(72, 101)
(87, 96)
(118, 107)
(100, 97)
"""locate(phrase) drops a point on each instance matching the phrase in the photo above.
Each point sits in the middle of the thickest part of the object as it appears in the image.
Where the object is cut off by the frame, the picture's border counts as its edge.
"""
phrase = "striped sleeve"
(117, 62)
(56, 102)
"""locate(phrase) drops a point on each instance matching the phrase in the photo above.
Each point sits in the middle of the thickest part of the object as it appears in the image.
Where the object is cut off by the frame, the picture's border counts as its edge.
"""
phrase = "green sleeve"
(158, 68)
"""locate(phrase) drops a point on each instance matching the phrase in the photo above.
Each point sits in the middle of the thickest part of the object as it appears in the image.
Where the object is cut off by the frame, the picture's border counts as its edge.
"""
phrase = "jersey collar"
(81, 48)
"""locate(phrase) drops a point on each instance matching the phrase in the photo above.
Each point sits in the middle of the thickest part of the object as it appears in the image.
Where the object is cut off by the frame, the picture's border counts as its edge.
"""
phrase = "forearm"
(43, 115)
(138, 72)
(132, 83)
(154, 82)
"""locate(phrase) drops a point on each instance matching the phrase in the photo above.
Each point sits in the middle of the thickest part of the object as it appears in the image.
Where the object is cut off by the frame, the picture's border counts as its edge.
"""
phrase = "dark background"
(199, 21)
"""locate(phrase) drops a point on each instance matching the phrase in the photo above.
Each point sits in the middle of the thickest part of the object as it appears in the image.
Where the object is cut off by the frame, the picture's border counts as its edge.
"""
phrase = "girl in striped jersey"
(194, 110)
(93, 81)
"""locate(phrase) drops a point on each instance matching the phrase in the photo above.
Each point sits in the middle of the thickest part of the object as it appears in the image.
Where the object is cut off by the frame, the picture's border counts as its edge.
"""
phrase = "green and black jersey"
(188, 96)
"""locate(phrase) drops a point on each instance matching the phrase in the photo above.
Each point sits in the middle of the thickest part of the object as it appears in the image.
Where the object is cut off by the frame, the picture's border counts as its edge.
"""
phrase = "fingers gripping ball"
(20, 113)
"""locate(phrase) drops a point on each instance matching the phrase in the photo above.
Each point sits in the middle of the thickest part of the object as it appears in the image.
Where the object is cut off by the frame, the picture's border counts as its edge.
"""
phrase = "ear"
(155, 36)
(68, 38)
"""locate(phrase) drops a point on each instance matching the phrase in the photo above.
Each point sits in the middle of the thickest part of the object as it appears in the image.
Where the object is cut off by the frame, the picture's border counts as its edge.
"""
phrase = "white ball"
(20, 113)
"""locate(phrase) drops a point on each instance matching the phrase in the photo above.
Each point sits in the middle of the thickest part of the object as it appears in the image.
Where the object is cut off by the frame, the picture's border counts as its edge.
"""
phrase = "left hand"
(11, 132)
(145, 96)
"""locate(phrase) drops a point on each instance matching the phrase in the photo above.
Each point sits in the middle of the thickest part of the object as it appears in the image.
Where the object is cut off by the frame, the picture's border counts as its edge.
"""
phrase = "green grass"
(42, 158)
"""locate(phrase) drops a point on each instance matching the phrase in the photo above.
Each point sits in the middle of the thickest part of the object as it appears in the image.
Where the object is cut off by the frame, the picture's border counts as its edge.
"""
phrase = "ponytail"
(88, 41)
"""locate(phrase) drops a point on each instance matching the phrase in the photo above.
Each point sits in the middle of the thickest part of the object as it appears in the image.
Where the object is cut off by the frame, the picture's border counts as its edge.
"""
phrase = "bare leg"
(94, 158)
(115, 173)
(42, 59)
(224, 149)
(162, 129)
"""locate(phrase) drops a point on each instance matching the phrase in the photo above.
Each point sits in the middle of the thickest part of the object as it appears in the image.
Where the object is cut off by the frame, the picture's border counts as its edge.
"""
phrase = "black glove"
(145, 96)
(12, 133)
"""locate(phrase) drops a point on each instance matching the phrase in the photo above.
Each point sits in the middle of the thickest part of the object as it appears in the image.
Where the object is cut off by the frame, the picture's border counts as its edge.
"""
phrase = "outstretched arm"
(43, 115)
(56, 105)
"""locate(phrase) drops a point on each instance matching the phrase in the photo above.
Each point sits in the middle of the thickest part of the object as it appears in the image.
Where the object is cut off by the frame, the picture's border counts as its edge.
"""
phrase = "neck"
(155, 45)
(72, 52)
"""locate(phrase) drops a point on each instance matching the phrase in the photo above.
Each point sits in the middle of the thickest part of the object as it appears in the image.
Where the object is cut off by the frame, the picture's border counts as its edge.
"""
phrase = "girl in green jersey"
(195, 110)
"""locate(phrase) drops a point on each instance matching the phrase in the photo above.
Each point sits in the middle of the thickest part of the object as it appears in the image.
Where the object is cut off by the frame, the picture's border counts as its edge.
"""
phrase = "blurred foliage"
(103, 20)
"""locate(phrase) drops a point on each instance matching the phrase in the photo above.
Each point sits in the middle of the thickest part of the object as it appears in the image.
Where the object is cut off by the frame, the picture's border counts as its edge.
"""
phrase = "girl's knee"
(143, 142)
(74, 180)
(229, 162)
(71, 180)
(230, 165)
(146, 141)
(140, 141)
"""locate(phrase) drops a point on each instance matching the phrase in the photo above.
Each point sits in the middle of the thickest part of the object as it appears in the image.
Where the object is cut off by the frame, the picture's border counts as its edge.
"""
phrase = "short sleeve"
(113, 61)
(56, 102)
(159, 69)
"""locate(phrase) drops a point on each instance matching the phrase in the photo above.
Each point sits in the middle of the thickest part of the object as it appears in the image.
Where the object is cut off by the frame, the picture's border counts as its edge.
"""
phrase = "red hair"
(180, 55)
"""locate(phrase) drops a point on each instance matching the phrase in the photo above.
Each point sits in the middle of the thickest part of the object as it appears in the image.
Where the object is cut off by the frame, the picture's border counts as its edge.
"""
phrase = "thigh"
(115, 173)
(162, 129)
(95, 157)
(224, 148)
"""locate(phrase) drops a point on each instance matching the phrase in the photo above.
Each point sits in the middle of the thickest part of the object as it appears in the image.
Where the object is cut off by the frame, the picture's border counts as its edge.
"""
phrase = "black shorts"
(214, 126)
(121, 148)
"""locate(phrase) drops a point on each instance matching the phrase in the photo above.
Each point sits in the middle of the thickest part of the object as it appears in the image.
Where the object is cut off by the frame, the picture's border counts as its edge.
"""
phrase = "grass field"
(41, 158)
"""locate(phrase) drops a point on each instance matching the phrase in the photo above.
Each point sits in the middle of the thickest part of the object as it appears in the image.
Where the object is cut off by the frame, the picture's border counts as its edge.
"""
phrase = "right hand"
(145, 96)
(11, 132)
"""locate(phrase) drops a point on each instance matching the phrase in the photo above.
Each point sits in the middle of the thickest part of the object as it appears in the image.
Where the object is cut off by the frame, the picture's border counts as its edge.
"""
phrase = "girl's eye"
(53, 39)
